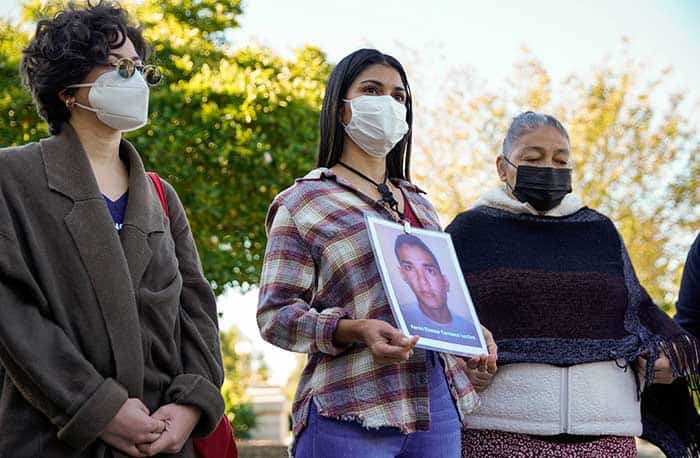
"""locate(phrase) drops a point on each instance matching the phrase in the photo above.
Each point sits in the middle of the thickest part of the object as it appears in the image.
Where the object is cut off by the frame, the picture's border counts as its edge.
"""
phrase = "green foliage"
(228, 128)
(242, 368)
(242, 418)
(206, 16)
(19, 122)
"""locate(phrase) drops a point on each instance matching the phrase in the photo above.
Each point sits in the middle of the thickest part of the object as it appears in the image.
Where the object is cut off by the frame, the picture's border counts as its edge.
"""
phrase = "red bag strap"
(160, 190)
(220, 443)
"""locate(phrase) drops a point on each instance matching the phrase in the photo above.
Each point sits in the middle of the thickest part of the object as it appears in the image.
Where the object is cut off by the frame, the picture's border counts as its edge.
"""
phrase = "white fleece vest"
(587, 399)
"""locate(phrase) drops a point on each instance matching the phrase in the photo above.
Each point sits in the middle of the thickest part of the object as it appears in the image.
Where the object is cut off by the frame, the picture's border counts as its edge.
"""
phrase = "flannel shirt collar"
(323, 172)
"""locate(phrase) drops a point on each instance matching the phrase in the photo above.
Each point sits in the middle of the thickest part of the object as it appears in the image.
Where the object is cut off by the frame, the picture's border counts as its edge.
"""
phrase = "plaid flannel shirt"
(319, 268)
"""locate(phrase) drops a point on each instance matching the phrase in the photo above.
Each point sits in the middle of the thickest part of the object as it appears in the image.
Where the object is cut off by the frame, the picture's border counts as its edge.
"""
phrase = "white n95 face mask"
(377, 124)
(120, 103)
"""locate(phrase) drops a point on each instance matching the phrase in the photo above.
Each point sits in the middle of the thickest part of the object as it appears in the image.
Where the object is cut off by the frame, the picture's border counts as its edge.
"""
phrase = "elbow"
(270, 316)
(266, 325)
(276, 330)
(270, 336)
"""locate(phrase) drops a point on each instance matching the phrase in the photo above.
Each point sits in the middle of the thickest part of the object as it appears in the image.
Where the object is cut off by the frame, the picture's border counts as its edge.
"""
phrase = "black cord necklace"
(384, 191)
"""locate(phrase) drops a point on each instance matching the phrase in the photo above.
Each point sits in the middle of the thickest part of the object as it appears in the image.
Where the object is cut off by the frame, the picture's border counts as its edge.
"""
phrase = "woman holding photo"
(366, 390)
(553, 280)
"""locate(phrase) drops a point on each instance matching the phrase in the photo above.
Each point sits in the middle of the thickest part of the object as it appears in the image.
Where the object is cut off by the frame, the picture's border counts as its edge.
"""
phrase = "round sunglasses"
(127, 67)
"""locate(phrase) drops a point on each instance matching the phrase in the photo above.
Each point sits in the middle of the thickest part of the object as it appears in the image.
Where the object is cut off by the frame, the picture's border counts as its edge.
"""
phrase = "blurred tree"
(636, 152)
(242, 368)
(19, 122)
(293, 380)
(229, 128)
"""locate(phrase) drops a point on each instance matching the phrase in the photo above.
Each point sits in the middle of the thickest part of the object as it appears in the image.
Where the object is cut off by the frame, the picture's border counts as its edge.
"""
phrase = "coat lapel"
(90, 225)
(144, 216)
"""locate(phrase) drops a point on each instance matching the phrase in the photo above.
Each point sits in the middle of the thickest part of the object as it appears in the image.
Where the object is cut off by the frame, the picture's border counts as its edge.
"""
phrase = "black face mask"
(542, 187)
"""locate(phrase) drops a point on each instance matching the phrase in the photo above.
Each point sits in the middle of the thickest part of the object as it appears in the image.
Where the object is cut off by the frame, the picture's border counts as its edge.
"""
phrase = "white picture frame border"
(430, 344)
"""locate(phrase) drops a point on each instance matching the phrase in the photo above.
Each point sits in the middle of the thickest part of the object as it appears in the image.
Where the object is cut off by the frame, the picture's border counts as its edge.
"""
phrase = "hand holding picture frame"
(425, 287)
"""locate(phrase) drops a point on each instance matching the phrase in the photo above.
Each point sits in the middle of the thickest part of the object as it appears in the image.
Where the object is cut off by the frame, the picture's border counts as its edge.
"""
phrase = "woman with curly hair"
(109, 339)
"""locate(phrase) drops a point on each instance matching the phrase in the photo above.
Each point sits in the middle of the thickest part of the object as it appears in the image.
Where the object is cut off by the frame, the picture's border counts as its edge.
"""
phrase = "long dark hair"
(330, 147)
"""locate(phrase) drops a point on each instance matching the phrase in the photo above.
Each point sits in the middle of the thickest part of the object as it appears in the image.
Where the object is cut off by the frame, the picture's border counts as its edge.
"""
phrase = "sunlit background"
(622, 76)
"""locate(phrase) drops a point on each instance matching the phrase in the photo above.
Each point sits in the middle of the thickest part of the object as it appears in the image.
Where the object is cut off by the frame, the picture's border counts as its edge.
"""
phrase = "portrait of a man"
(425, 287)
(429, 315)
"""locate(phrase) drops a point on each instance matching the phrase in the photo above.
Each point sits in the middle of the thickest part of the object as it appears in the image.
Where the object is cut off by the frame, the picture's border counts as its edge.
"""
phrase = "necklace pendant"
(387, 195)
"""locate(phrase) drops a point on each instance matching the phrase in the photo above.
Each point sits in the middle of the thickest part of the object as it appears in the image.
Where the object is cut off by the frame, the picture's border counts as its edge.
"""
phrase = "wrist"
(358, 330)
(196, 411)
(349, 331)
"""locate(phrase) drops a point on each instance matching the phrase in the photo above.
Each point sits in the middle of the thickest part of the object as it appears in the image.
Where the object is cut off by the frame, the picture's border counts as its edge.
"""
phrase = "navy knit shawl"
(562, 291)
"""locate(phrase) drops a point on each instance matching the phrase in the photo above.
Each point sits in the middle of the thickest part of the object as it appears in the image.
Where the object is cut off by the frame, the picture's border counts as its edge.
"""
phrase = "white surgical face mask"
(377, 124)
(120, 103)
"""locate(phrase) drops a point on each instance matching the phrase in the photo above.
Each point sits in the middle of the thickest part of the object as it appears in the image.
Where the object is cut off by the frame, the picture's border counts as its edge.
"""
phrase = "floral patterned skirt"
(477, 443)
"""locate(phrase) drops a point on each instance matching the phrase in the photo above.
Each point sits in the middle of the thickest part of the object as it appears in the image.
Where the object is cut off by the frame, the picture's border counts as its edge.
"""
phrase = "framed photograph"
(425, 287)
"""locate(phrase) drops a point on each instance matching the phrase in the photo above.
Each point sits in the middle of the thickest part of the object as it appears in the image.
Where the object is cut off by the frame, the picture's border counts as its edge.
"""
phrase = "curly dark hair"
(67, 47)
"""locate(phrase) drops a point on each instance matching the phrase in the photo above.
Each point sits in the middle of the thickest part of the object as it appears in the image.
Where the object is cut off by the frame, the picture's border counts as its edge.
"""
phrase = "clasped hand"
(137, 433)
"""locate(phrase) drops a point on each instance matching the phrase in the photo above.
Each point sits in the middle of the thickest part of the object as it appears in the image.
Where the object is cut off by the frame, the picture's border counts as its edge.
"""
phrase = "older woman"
(552, 279)
(108, 337)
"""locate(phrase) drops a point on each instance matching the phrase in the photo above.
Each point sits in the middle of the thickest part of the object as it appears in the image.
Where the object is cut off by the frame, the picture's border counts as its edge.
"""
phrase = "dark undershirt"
(117, 209)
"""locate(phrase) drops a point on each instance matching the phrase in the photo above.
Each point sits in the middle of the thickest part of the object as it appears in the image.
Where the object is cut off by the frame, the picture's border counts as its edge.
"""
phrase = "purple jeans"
(330, 438)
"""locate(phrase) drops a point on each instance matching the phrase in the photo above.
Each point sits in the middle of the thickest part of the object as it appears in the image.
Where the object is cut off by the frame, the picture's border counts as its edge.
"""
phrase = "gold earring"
(70, 102)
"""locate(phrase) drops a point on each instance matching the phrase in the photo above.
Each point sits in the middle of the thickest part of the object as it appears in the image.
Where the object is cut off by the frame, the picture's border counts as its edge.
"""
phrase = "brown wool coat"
(91, 316)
